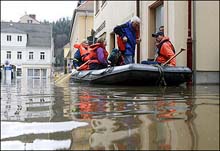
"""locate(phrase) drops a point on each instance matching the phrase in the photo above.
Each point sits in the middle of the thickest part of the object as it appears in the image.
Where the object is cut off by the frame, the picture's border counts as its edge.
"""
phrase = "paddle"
(63, 79)
(80, 68)
(66, 77)
(182, 49)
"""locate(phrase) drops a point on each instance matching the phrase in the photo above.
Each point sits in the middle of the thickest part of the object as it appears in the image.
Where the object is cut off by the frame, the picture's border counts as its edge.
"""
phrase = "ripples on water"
(123, 118)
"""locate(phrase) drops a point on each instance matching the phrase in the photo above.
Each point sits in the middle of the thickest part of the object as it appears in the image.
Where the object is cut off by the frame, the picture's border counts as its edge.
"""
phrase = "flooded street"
(37, 114)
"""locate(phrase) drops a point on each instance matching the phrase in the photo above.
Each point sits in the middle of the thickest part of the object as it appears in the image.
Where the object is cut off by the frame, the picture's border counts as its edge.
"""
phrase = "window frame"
(8, 54)
(42, 55)
(19, 72)
(8, 37)
(31, 55)
(29, 21)
(19, 55)
(19, 38)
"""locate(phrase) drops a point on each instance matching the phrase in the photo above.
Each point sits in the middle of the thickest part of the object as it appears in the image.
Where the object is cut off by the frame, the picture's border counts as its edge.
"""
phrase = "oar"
(83, 65)
(66, 78)
(182, 49)
(63, 79)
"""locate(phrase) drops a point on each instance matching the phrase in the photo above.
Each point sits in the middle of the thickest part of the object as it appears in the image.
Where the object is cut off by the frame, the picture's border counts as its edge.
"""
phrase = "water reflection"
(149, 118)
(86, 117)
(31, 117)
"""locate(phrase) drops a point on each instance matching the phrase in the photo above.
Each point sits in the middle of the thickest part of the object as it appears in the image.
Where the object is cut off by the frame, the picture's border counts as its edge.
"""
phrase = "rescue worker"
(161, 28)
(165, 49)
(81, 55)
(129, 32)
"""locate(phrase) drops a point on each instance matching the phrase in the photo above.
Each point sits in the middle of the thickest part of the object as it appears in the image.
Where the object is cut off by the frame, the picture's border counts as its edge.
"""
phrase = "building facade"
(82, 24)
(192, 25)
(28, 47)
(67, 58)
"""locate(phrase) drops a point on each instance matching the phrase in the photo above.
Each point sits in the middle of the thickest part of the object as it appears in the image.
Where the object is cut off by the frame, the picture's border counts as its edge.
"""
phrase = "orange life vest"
(83, 52)
(92, 57)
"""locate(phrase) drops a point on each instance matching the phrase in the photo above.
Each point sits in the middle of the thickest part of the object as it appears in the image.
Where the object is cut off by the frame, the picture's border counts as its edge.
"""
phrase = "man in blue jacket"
(130, 34)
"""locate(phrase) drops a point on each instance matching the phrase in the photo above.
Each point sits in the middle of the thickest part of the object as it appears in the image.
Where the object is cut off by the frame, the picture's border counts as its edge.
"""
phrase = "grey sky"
(44, 10)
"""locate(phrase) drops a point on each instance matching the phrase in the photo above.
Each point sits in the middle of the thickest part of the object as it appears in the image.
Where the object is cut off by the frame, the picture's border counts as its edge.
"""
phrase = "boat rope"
(161, 80)
(108, 70)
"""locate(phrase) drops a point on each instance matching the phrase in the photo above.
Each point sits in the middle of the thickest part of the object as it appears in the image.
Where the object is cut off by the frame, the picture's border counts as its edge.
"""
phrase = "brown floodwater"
(37, 114)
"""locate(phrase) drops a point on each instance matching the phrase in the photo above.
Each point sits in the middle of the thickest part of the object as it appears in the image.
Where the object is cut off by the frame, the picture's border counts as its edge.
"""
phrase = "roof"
(86, 5)
(12, 30)
(39, 35)
(30, 16)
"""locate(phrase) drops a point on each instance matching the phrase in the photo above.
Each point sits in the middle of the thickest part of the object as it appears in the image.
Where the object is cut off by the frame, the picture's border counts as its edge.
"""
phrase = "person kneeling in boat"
(116, 58)
(81, 55)
(98, 55)
(165, 50)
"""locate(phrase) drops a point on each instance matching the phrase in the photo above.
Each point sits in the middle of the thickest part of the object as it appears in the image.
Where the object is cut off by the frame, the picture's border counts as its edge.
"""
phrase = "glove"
(77, 68)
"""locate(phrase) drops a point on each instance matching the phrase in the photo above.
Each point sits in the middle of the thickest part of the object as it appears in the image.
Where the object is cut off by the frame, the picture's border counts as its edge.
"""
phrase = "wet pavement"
(37, 114)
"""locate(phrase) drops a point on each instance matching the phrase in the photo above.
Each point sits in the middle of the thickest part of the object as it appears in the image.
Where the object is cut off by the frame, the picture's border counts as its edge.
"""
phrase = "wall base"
(206, 77)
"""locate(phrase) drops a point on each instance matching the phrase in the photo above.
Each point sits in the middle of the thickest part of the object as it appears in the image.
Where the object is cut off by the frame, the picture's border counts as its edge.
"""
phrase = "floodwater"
(37, 114)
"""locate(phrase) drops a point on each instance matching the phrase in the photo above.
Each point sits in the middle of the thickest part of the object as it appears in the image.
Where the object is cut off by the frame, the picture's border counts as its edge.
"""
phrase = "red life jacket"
(121, 44)
(83, 52)
(92, 56)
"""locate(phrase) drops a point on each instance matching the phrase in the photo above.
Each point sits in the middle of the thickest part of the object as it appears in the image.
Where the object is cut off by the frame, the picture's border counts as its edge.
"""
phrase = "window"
(19, 55)
(29, 21)
(42, 55)
(8, 37)
(159, 16)
(30, 72)
(8, 55)
(43, 73)
(156, 19)
(19, 73)
(31, 55)
(36, 72)
(97, 7)
(19, 38)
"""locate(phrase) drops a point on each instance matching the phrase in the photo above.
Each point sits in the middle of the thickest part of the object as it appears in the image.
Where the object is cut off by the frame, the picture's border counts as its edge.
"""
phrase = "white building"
(28, 47)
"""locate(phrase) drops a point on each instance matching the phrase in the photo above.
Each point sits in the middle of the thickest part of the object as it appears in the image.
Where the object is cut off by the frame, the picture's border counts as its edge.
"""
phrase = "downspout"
(194, 42)
(138, 15)
(189, 39)
(86, 25)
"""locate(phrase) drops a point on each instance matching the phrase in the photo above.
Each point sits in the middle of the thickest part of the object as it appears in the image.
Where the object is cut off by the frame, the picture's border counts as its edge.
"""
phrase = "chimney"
(33, 16)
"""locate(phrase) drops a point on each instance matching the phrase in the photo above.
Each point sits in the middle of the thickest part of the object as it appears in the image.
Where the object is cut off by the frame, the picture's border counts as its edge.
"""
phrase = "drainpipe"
(189, 39)
(86, 25)
(138, 15)
(194, 42)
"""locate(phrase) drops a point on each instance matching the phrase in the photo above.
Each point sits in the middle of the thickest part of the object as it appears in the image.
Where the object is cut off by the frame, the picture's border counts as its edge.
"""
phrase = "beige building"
(67, 58)
(185, 22)
(82, 24)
